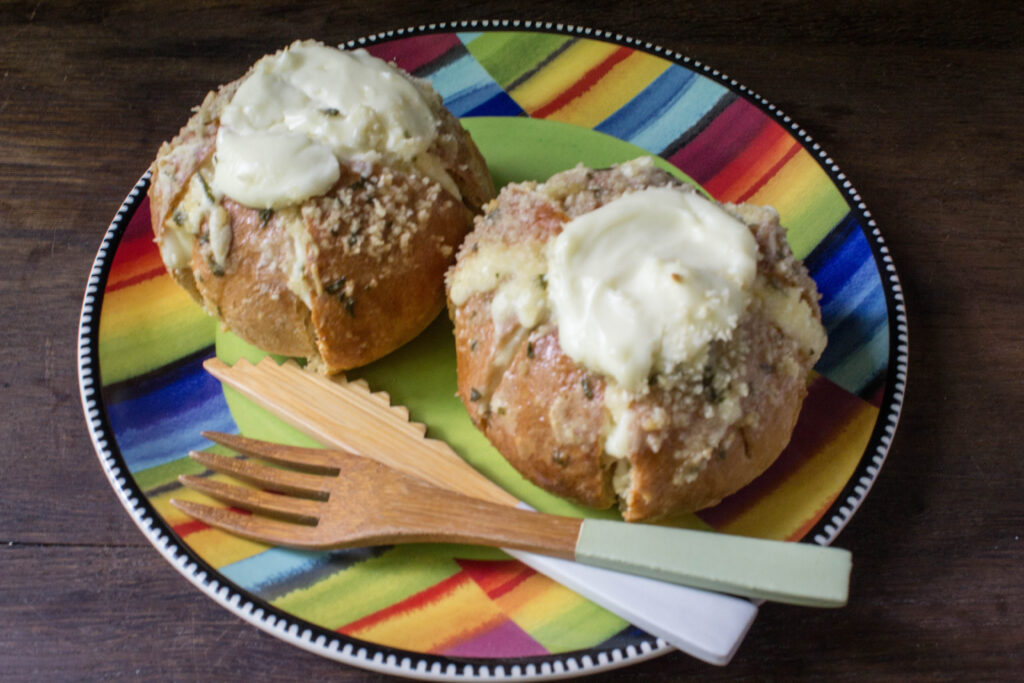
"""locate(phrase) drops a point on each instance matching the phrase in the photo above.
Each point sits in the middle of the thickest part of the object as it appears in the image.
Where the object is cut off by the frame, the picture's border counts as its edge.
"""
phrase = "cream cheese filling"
(198, 204)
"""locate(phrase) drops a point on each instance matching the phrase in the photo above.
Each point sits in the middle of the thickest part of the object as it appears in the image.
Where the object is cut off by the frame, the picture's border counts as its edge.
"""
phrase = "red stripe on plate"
(584, 84)
(497, 577)
(414, 602)
(723, 140)
(192, 526)
(413, 53)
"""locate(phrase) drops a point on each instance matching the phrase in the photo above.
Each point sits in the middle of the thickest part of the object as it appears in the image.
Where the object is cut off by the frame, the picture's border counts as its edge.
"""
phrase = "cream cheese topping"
(304, 110)
(646, 282)
(515, 272)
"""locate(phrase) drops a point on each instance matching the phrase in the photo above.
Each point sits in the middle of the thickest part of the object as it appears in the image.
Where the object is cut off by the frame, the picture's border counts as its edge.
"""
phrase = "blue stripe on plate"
(863, 367)
(674, 102)
(156, 418)
(272, 566)
(468, 90)
(279, 571)
(853, 308)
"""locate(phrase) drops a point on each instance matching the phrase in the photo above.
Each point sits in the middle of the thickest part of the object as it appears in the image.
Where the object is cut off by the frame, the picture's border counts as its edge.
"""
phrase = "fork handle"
(795, 573)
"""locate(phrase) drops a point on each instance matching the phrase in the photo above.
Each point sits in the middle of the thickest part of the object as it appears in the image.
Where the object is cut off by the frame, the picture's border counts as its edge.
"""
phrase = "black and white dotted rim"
(427, 667)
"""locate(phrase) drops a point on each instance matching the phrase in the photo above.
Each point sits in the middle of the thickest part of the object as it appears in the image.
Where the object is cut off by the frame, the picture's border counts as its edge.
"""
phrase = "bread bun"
(693, 432)
(340, 277)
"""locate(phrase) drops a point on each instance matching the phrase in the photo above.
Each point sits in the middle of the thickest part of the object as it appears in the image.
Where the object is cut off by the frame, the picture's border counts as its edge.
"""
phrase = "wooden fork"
(331, 499)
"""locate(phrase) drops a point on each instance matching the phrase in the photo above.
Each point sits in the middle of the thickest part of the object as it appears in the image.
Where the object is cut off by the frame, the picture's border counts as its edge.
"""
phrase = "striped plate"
(537, 98)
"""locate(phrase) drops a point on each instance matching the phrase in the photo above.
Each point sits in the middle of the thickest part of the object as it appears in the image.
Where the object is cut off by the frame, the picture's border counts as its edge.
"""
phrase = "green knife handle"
(795, 573)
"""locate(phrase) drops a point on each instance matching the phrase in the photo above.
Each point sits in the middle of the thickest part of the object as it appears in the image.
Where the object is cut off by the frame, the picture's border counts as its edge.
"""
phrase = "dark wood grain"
(919, 103)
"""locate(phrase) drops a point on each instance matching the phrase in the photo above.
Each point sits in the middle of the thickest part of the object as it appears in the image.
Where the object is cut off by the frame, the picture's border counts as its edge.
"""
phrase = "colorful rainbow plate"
(537, 98)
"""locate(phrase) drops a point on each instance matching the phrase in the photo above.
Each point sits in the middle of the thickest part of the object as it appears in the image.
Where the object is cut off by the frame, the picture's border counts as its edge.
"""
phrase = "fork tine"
(271, 531)
(285, 481)
(309, 459)
(298, 509)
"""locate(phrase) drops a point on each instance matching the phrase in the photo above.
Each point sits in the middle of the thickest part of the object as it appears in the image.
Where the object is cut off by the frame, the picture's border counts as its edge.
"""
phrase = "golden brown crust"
(376, 297)
(538, 413)
(692, 438)
(372, 252)
(745, 449)
(250, 294)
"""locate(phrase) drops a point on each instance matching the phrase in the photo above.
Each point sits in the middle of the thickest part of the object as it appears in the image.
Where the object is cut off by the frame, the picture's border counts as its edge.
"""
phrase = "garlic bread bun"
(314, 205)
(668, 436)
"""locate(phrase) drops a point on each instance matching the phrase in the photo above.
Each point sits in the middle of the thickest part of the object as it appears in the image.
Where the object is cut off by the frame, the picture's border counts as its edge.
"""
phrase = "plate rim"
(384, 659)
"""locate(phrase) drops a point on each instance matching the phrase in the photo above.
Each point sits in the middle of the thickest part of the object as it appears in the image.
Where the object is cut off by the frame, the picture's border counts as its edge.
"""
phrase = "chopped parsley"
(265, 216)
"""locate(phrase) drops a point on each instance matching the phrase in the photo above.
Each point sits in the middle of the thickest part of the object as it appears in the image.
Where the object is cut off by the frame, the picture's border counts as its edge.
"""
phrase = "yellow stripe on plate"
(461, 611)
(622, 83)
(218, 548)
(560, 74)
(148, 325)
(809, 204)
(546, 610)
(362, 589)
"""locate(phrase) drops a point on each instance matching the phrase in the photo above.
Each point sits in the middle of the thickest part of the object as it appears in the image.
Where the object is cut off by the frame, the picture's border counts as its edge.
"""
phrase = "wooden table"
(918, 102)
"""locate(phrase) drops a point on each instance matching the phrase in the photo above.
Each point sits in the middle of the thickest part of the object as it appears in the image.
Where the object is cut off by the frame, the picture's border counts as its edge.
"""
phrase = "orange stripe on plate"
(790, 152)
